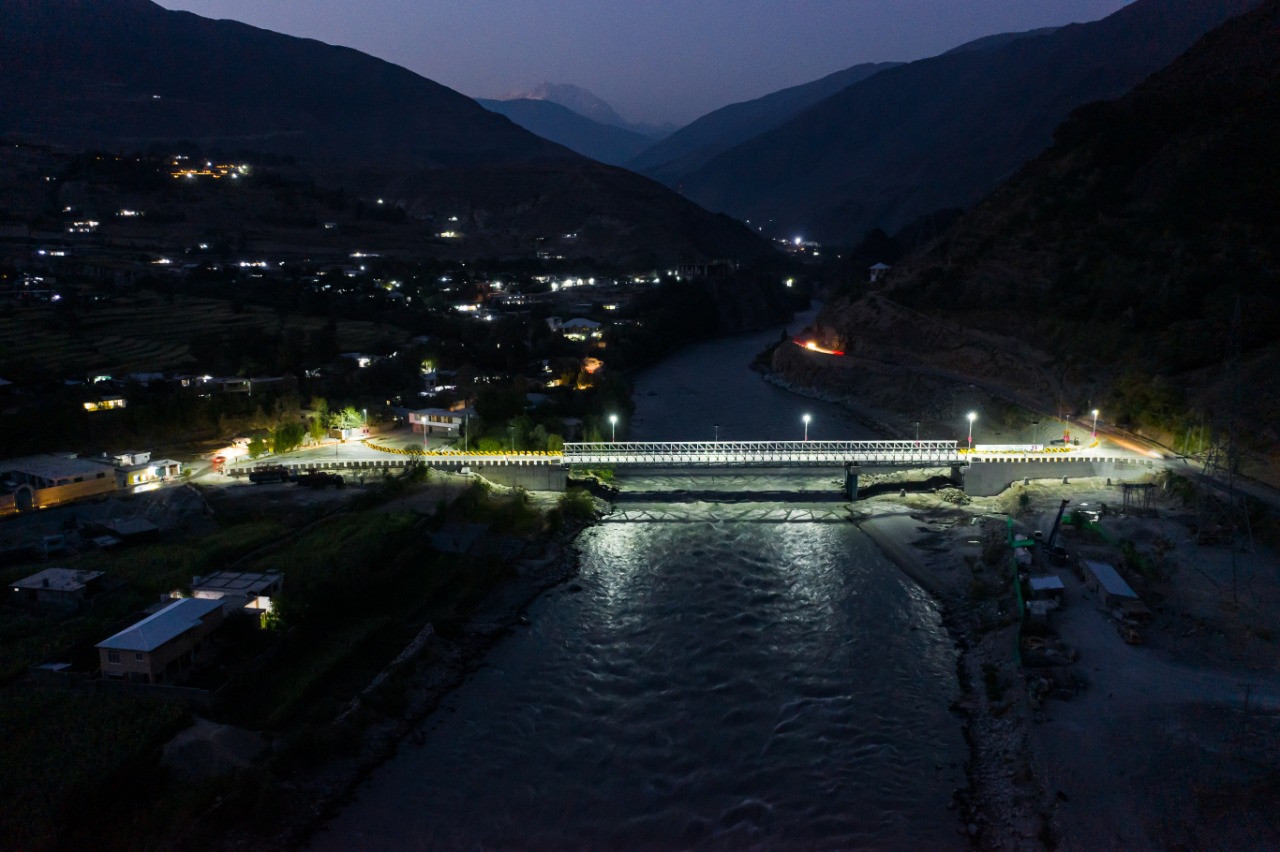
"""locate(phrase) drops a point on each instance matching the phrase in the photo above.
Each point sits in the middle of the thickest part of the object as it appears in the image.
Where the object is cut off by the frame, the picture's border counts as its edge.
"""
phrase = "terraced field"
(144, 333)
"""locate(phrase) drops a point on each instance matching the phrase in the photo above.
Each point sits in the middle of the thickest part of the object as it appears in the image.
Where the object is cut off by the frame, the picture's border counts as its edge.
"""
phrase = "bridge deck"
(762, 453)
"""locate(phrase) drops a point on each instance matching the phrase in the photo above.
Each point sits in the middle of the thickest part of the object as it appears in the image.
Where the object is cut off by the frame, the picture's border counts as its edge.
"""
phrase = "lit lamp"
(973, 415)
(613, 423)
(1095, 423)
(806, 420)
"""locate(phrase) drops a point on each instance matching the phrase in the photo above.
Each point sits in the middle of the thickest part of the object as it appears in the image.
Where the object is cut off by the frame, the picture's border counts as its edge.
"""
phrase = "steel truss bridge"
(764, 454)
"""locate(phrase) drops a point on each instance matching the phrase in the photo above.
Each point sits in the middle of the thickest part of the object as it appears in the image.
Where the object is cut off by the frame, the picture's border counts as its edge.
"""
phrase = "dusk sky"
(652, 60)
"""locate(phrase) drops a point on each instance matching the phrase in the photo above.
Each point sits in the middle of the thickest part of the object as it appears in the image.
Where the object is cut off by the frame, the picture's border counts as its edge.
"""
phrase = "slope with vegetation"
(1111, 269)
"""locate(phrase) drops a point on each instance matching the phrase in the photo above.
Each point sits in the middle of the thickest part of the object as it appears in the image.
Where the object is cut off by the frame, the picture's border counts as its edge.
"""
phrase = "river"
(728, 671)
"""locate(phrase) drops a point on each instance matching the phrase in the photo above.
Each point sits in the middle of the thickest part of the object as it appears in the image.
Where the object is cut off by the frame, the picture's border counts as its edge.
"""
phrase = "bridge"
(764, 454)
(987, 469)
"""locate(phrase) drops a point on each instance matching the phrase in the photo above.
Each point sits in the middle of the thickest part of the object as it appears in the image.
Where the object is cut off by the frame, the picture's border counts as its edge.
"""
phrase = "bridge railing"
(682, 453)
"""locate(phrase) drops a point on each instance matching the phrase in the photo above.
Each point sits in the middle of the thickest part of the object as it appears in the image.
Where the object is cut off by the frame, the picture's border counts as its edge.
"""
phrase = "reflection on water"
(736, 667)
(718, 685)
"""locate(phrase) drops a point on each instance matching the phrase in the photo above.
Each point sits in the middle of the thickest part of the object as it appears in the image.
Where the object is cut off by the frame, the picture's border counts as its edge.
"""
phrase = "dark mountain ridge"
(123, 75)
(692, 145)
(1116, 262)
(942, 132)
(603, 142)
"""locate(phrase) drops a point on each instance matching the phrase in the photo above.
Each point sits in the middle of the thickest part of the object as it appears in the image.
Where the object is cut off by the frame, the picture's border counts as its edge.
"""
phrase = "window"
(137, 655)
(113, 657)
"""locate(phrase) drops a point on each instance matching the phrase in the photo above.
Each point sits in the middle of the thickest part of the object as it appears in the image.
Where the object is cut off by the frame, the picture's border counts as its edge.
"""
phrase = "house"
(35, 482)
(580, 329)
(160, 470)
(443, 420)
(239, 590)
(106, 402)
(877, 271)
(164, 646)
(1107, 583)
(57, 588)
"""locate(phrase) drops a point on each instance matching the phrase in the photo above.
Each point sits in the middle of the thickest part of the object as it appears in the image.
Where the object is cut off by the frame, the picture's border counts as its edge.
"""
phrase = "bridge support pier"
(851, 472)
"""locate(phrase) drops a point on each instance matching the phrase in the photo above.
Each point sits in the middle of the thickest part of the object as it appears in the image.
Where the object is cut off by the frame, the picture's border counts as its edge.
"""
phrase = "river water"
(729, 671)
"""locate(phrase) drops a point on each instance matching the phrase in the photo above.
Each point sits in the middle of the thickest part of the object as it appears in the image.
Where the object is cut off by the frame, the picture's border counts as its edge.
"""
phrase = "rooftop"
(164, 626)
(61, 579)
(1110, 579)
(52, 466)
(235, 582)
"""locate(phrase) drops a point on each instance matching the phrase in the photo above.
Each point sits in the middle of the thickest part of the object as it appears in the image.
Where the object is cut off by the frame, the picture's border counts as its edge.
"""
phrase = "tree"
(257, 447)
(287, 437)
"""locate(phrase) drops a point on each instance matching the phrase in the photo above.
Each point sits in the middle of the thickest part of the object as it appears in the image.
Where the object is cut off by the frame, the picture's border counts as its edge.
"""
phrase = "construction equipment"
(1057, 553)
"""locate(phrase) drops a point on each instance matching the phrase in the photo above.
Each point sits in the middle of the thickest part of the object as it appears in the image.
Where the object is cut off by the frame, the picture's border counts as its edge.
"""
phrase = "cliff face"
(1110, 268)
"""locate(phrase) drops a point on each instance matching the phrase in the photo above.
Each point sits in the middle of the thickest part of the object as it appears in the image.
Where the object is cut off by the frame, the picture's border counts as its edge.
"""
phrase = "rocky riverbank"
(305, 791)
(941, 549)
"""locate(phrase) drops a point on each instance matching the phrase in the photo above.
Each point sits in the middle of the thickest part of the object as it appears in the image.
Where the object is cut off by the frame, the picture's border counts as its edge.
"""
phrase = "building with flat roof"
(239, 590)
(164, 646)
(57, 588)
(35, 482)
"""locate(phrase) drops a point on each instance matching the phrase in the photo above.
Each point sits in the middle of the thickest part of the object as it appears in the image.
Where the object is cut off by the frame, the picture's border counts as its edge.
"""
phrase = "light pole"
(917, 431)
(512, 430)
(973, 415)
(613, 423)
(806, 420)
(717, 433)
(1095, 423)
(466, 433)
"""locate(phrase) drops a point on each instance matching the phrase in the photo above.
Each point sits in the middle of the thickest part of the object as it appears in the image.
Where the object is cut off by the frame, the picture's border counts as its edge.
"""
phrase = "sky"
(654, 61)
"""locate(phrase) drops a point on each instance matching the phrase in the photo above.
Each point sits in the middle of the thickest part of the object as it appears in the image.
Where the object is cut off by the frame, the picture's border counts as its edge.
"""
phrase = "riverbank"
(308, 782)
(1103, 743)
(940, 548)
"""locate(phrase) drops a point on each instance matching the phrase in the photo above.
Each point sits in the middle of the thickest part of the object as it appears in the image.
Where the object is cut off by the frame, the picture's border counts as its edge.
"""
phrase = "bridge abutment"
(988, 477)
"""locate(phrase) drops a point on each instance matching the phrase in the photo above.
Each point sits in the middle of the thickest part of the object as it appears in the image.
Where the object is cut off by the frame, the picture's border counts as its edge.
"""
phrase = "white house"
(441, 420)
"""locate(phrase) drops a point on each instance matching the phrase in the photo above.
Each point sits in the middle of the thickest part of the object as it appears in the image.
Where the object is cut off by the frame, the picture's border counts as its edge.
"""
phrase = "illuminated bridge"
(764, 454)
(987, 469)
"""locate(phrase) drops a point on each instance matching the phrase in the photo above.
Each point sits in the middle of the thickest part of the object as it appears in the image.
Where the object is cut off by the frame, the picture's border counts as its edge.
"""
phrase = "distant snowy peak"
(572, 97)
(588, 105)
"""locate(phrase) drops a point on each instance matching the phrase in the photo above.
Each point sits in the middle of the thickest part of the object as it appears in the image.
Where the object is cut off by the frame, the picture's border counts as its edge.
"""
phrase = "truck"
(267, 475)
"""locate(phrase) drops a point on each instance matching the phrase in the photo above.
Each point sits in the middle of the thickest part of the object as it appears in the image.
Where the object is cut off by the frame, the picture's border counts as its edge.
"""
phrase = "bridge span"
(764, 454)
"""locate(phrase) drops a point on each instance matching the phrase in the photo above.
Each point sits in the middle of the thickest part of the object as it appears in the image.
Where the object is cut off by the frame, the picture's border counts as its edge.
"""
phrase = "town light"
(613, 422)
(806, 418)
(973, 415)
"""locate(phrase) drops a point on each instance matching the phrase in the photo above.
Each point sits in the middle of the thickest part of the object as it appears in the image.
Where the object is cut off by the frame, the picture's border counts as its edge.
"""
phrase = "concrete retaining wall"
(541, 477)
(988, 478)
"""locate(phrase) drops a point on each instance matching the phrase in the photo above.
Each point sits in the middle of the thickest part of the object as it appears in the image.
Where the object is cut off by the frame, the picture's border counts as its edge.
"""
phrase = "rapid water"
(723, 674)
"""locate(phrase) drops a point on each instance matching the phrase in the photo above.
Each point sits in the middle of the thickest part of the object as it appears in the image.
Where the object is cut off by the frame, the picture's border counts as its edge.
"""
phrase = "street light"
(1095, 423)
(717, 433)
(973, 415)
(806, 420)
(613, 422)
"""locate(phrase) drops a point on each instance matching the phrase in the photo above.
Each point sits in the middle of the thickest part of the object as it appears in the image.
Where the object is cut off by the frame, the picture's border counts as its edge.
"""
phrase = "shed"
(1046, 588)
(1107, 582)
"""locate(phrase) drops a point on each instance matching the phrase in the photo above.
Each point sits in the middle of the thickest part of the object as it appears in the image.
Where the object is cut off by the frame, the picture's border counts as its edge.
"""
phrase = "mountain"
(127, 74)
(942, 132)
(1114, 267)
(587, 105)
(604, 142)
(691, 146)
